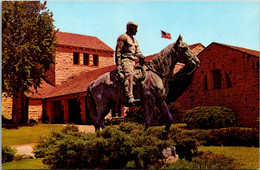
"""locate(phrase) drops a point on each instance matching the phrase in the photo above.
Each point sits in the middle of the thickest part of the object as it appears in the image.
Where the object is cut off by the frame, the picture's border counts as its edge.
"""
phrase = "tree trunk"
(19, 112)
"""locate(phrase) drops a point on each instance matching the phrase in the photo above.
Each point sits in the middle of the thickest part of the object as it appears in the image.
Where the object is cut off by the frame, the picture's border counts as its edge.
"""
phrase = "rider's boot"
(132, 100)
(130, 96)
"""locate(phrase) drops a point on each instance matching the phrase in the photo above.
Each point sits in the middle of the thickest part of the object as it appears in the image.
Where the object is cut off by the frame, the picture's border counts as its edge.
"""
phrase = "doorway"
(58, 112)
(74, 111)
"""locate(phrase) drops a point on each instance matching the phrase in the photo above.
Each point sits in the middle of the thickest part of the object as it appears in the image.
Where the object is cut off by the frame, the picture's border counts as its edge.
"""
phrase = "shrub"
(234, 136)
(177, 111)
(210, 117)
(186, 142)
(70, 128)
(206, 160)
(127, 147)
(8, 153)
(136, 114)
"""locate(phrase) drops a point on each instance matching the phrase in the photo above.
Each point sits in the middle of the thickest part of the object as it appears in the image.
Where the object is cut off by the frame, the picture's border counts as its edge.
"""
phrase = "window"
(95, 60)
(205, 83)
(228, 80)
(76, 58)
(216, 79)
(86, 59)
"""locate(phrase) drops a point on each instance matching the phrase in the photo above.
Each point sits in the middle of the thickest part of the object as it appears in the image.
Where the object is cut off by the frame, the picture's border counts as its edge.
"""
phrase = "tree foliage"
(28, 44)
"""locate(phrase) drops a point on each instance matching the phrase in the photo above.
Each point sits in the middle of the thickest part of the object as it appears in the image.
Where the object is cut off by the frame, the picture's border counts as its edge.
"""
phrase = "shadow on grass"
(9, 124)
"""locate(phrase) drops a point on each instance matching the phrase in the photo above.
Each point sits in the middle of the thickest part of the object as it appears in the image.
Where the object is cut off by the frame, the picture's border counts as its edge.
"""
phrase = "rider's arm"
(138, 51)
(118, 53)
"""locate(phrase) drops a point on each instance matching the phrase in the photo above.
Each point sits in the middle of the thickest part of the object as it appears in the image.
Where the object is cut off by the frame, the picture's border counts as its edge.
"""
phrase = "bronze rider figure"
(127, 49)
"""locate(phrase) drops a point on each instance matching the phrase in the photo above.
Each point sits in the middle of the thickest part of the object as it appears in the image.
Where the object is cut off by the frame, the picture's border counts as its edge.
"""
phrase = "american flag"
(166, 35)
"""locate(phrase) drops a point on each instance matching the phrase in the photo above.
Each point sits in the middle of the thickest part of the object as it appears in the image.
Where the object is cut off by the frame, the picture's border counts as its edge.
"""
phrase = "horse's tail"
(92, 108)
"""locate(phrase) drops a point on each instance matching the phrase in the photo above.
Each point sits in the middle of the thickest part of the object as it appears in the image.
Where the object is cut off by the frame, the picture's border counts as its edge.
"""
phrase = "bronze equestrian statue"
(108, 90)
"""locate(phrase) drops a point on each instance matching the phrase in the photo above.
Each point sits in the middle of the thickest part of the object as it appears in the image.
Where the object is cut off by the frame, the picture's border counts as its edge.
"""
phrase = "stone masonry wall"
(239, 83)
(65, 69)
(7, 106)
(35, 110)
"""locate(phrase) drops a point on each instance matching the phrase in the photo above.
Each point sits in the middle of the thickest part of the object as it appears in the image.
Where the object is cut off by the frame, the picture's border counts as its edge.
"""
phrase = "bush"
(206, 160)
(70, 128)
(234, 136)
(8, 153)
(210, 117)
(137, 114)
(187, 141)
(127, 147)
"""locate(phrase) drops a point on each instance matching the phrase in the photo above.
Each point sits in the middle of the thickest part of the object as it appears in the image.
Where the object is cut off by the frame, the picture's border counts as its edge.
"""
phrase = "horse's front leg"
(102, 112)
(163, 108)
(148, 109)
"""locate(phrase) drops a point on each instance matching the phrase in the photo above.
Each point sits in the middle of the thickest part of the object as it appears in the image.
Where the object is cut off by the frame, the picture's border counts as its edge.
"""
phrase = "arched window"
(228, 80)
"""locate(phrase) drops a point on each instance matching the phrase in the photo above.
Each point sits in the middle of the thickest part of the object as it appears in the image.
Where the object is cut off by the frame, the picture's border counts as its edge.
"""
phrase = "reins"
(156, 72)
(162, 75)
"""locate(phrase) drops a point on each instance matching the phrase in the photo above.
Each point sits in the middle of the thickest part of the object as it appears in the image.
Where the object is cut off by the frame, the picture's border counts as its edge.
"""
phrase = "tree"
(28, 45)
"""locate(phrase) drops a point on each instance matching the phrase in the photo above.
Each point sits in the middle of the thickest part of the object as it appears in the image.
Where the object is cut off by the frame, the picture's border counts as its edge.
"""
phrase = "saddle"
(116, 78)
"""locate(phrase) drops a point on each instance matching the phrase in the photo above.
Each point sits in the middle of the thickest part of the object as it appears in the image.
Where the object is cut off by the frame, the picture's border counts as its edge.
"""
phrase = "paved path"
(26, 149)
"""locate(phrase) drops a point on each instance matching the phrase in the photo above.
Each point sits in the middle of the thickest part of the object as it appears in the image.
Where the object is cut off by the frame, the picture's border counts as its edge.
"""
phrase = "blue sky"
(234, 23)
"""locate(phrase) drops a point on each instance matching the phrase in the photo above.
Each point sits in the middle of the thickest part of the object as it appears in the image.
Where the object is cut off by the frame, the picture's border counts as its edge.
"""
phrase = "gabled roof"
(43, 90)
(195, 45)
(84, 41)
(80, 83)
(240, 49)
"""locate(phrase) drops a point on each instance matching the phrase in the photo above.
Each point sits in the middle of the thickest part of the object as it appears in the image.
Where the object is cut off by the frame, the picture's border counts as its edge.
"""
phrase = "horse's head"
(184, 54)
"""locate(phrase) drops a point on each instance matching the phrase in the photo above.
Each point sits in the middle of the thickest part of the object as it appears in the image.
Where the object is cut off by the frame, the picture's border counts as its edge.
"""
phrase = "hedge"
(210, 117)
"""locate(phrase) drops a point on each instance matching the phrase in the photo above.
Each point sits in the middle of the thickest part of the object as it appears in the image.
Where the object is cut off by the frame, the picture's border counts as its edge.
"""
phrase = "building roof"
(244, 50)
(42, 91)
(80, 83)
(84, 41)
(195, 45)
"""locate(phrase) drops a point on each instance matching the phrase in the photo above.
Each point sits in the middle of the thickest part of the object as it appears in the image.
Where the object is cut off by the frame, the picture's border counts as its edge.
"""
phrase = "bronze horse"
(102, 95)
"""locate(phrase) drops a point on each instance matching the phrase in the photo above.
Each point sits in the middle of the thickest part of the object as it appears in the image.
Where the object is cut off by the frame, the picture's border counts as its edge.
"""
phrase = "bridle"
(171, 78)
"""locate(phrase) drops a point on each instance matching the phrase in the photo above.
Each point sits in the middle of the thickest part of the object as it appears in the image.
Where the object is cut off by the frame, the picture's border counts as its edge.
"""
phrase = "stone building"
(228, 76)
(75, 54)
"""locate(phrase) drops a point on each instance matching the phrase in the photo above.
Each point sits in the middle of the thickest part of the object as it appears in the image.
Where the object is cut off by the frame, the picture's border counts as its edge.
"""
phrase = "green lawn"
(25, 164)
(247, 157)
(27, 134)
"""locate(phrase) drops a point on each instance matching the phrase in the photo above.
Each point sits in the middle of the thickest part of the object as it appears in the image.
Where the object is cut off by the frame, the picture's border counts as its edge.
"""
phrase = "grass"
(27, 134)
(246, 157)
(25, 164)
